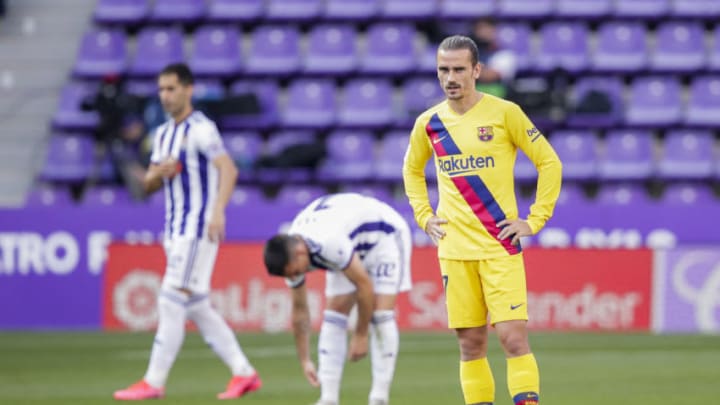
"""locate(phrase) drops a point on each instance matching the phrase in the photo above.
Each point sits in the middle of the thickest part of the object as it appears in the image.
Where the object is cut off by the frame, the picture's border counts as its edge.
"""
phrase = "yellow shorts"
(476, 289)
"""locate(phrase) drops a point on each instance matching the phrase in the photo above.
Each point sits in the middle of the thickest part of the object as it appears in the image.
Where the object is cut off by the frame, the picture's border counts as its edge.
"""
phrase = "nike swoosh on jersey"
(438, 140)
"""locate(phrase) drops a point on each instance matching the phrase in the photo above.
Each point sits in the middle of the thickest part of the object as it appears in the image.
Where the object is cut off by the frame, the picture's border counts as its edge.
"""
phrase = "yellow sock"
(523, 379)
(477, 381)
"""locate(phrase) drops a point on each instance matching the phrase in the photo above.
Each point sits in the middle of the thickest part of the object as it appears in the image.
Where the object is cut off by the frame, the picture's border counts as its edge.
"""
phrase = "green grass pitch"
(638, 369)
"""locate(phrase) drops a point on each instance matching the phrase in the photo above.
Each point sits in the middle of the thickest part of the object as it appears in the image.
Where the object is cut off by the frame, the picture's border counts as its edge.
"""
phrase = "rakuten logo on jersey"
(454, 165)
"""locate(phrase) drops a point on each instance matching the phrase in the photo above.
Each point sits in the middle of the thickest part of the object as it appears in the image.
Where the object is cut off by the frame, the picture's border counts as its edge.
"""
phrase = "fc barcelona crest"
(485, 134)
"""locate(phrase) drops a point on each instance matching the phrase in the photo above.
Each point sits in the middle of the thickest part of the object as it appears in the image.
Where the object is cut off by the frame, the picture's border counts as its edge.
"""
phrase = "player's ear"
(477, 70)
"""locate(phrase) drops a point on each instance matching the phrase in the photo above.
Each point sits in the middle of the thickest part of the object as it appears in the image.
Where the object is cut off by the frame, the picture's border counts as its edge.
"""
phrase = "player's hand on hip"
(515, 228)
(311, 373)
(216, 227)
(358, 347)
(434, 229)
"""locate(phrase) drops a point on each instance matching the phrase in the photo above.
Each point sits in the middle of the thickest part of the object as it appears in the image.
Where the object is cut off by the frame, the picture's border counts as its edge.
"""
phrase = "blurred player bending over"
(189, 161)
(475, 137)
(365, 247)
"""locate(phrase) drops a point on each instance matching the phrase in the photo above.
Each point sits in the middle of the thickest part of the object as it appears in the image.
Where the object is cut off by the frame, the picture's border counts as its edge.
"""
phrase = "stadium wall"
(54, 275)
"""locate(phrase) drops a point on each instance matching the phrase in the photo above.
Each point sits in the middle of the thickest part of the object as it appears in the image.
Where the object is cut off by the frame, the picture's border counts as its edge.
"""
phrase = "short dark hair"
(181, 70)
(277, 254)
(457, 42)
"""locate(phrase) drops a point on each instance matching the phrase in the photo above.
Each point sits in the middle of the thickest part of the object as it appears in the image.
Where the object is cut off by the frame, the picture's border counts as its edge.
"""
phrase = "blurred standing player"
(365, 247)
(189, 161)
(475, 137)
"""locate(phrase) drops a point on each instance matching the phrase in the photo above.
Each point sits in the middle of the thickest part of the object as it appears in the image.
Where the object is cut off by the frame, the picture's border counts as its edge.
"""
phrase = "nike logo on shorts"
(513, 307)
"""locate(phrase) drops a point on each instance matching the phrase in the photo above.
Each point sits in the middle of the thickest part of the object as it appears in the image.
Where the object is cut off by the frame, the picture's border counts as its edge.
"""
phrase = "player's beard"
(455, 93)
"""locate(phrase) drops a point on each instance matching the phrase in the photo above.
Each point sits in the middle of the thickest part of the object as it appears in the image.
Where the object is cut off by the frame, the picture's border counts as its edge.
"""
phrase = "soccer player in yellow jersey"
(475, 138)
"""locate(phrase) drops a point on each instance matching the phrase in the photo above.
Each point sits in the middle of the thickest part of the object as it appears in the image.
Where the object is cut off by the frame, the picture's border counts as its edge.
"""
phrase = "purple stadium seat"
(293, 10)
(156, 48)
(216, 51)
(517, 38)
(244, 148)
(687, 155)
(121, 11)
(563, 45)
(571, 194)
(419, 94)
(69, 158)
(331, 50)
(367, 103)
(654, 101)
(391, 152)
(184, 11)
(714, 51)
(628, 155)
(642, 8)
(680, 47)
(277, 142)
(464, 9)
(141, 87)
(47, 195)
(621, 47)
(695, 8)
(202, 89)
(583, 8)
(208, 89)
(274, 50)
(622, 194)
(234, 11)
(704, 102)
(298, 196)
(267, 94)
(390, 49)
(378, 191)
(103, 196)
(69, 114)
(247, 196)
(585, 89)
(409, 9)
(351, 9)
(578, 152)
(350, 156)
(102, 52)
(310, 103)
(688, 194)
(525, 8)
(525, 170)
(427, 60)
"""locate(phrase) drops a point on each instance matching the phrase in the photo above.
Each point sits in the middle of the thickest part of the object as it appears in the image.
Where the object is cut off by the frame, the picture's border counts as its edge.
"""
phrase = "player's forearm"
(548, 191)
(228, 176)
(416, 157)
(416, 191)
(152, 181)
(301, 332)
(365, 298)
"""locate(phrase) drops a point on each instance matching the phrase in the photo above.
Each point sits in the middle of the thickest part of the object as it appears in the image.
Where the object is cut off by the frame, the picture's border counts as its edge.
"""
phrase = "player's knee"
(514, 344)
(473, 343)
(383, 316)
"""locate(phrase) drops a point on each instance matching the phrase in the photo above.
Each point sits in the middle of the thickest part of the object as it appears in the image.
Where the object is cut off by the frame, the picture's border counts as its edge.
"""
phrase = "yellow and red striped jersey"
(474, 161)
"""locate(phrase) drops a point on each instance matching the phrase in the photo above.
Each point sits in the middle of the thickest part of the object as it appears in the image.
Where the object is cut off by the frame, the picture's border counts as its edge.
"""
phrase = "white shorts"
(190, 264)
(388, 263)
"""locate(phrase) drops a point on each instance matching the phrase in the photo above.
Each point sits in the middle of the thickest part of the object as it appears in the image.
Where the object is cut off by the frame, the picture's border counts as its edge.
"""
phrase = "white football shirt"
(190, 195)
(337, 225)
